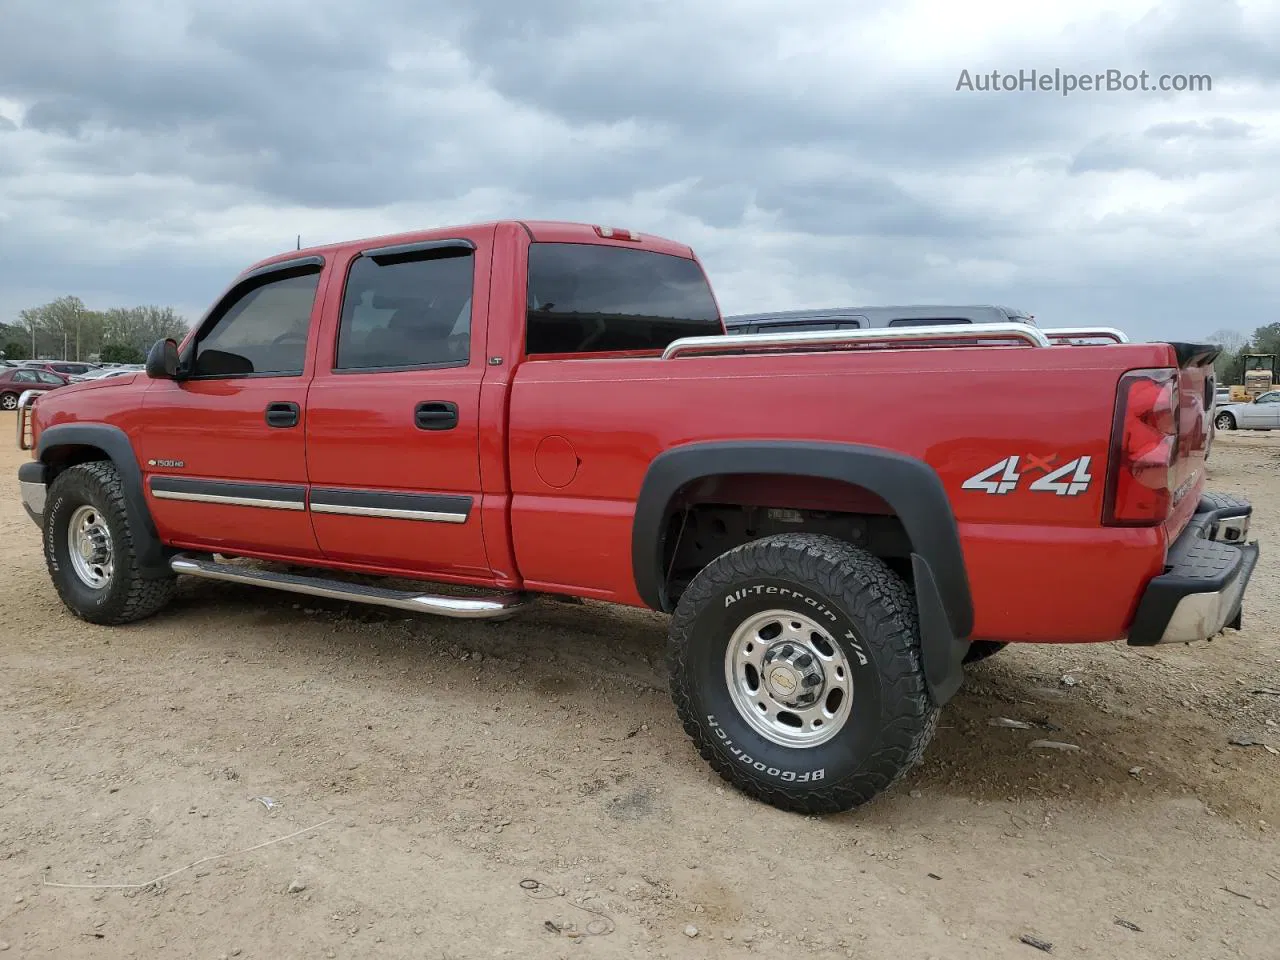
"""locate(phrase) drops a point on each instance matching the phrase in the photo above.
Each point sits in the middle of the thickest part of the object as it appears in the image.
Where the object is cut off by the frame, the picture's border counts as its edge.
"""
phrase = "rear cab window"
(593, 298)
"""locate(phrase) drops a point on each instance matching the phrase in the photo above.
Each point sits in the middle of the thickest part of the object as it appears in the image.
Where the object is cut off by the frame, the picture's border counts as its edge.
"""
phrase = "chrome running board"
(495, 607)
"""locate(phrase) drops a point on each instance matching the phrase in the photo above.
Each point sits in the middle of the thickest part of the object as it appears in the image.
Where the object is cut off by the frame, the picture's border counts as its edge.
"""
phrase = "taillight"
(1144, 444)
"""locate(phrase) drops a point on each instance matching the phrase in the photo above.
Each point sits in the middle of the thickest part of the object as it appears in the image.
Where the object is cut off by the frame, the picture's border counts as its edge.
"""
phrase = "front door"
(223, 450)
(393, 413)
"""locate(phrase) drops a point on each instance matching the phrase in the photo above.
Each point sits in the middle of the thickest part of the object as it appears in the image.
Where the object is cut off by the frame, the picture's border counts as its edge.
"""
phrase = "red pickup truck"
(549, 408)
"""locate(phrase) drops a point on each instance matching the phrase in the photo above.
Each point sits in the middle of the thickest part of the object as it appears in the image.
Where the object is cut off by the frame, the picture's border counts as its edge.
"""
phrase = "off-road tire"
(1225, 421)
(981, 649)
(128, 596)
(892, 717)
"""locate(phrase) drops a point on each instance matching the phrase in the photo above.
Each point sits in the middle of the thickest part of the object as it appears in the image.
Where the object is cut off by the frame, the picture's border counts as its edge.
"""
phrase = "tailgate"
(1195, 405)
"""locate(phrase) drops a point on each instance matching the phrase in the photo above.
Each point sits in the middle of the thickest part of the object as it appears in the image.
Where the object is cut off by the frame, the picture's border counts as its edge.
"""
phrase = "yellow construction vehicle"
(1259, 377)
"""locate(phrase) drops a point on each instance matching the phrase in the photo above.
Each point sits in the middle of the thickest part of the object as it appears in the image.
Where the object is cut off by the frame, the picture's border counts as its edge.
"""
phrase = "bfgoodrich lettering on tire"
(89, 548)
(795, 668)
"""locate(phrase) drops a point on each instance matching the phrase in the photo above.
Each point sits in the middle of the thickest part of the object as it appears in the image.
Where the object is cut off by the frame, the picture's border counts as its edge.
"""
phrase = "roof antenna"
(299, 241)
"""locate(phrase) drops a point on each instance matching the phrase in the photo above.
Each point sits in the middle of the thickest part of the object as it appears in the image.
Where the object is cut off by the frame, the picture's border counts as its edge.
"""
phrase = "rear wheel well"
(712, 515)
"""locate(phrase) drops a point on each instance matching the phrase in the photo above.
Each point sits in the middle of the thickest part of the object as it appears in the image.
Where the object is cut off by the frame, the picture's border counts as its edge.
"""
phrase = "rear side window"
(807, 327)
(929, 322)
(262, 331)
(586, 298)
(411, 310)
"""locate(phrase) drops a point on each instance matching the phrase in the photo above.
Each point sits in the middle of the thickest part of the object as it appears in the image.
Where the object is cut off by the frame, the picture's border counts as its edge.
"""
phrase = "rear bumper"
(31, 481)
(1207, 571)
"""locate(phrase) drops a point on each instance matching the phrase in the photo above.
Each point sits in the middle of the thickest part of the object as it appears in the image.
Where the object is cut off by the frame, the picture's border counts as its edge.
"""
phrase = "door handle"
(282, 413)
(435, 415)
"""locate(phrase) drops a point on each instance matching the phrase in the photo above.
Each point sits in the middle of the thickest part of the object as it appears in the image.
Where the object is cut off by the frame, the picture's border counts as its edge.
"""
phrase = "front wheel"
(795, 667)
(89, 548)
(1225, 421)
(8, 401)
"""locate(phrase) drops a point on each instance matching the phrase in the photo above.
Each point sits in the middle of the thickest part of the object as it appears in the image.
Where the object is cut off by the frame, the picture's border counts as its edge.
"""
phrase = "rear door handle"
(435, 415)
(282, 413)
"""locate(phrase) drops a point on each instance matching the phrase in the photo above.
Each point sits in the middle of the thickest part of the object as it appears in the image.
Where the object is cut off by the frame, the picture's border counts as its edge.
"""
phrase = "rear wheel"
(8, 401)
(1225, 421)
(795, 667)
(89, 548)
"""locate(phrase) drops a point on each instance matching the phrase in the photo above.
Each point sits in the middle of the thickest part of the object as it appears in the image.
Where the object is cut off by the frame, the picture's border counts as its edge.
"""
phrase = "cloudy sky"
(814, 152)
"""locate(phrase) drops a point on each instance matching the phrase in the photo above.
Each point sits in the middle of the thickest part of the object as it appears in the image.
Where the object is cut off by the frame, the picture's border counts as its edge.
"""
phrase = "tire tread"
(884, 606)
(145, 596)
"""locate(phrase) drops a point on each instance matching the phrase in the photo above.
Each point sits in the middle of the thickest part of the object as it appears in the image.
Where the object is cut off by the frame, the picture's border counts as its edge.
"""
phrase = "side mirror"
(162, 360)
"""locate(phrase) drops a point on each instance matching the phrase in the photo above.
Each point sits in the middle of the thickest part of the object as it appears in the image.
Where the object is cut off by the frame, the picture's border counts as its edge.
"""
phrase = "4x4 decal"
(1069, 480)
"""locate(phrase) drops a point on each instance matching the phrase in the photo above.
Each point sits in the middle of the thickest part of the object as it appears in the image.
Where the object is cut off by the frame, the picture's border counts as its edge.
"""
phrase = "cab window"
(261, 331)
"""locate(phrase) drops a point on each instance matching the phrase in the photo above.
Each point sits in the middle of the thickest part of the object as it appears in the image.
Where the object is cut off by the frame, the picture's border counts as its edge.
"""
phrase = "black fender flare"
(911, 488)
(151, 555)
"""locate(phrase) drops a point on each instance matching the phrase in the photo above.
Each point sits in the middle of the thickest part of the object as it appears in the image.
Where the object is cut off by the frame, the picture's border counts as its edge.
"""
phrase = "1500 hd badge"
(1066, 480)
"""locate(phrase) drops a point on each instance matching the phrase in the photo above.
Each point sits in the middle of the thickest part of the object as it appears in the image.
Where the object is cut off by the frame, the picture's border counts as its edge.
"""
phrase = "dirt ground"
(431, 772)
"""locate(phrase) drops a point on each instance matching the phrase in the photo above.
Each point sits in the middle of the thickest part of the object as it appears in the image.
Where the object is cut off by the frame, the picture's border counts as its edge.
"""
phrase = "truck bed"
(1031, 556)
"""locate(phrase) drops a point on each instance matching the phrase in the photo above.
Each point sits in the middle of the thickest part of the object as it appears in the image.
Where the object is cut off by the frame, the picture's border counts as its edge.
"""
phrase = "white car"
(1260, 414)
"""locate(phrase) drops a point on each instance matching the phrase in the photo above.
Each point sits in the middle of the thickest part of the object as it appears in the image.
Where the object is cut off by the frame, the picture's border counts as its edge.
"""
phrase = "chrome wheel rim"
(89, 545)
(9, 401)
(1224, 422)
(788, 678)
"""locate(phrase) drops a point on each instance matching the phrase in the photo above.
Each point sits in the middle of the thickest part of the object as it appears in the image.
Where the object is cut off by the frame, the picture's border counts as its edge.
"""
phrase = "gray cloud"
(1217, 128)
(823, 157)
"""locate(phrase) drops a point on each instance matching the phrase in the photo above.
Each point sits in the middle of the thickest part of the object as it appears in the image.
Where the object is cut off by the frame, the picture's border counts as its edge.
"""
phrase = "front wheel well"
(65, 456)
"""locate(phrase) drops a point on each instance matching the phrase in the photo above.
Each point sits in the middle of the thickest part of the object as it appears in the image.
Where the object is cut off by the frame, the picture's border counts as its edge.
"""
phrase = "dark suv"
(65, 368)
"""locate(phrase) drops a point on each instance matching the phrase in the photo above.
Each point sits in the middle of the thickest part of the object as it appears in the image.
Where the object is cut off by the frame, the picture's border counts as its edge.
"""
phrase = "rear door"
(1267, 411)
(1261, 414)
(393, 414)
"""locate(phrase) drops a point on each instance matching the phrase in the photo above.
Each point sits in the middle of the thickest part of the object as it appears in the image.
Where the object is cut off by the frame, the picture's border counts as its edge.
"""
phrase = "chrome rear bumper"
(1201, 592)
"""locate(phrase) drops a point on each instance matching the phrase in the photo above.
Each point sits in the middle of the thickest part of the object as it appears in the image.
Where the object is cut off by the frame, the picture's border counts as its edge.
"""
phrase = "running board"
(496, 607)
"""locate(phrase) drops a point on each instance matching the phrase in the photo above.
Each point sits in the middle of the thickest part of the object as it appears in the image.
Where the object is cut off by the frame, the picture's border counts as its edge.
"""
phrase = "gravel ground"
(432, 772)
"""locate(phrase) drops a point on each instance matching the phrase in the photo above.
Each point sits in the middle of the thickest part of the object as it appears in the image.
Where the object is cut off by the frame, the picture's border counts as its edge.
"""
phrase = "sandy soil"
(443, 765)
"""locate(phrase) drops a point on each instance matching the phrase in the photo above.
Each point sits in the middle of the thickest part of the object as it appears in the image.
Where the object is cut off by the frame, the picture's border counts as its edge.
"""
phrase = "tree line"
(65, 329)
(1229, 367)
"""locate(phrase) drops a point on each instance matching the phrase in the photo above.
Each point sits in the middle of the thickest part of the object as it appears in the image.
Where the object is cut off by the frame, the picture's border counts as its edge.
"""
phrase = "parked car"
(14, 381)
(827, 560)
(104, 373)
(73, 370)
(1261, 413)
(854, 318)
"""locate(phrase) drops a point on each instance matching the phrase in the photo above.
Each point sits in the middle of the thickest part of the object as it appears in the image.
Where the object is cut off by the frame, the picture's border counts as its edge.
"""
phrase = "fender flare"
(911, 488)
(114, 442)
